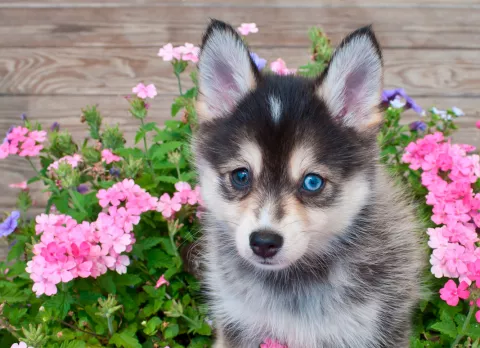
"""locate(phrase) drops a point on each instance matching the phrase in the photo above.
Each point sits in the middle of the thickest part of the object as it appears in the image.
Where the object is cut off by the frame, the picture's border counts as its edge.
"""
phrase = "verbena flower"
(68, 249)
(145, 92)
(9, 224)
(259, 62)
(280, 67)
(108, 156)
(451, 294)
(161, 281)
(393, 94)
(21, 185)
(418, 126)
(247, 28)
(168, 52)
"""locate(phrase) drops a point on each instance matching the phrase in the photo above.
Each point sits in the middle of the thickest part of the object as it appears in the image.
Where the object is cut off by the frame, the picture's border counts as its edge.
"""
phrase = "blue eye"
(312, 183)
(240, 178)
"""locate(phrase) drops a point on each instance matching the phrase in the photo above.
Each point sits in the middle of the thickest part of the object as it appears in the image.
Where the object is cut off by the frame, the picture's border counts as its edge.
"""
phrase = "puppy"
(307, 241)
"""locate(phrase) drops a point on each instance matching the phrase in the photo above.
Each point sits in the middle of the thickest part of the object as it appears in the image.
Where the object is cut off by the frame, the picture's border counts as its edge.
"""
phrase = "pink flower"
(183, 191)
(17, 134)
(20, 345)
(73, 161)
(145, 92)
(161, 281)
(109, 157)
(168, 52)
(280, 67)
(269, 343)
(451, 294)
(189, 52)
(168, 206)
(38, 136)
(21, 185)
(4, 150)
(30, 148)
(247, 28)
(477, 124)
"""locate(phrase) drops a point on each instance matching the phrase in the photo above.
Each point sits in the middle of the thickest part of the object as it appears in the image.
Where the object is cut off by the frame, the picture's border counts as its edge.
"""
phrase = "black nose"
(265, 243)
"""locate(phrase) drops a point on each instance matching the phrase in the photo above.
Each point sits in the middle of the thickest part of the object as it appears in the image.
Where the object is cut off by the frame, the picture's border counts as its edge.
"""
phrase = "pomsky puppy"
(307, 241)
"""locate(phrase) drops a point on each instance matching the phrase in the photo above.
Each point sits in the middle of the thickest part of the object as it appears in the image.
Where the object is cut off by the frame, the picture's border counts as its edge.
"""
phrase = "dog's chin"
(268, 264)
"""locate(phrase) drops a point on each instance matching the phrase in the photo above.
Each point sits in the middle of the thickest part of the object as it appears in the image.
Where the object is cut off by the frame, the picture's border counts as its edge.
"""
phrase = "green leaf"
(152, 325)
(171, 331)
(177, 106)
(18, 249)
(158, 259)
(473, 330)
(150, 242)
(445, 327)
(32, 180)
(60, 303)
(107, 284)
(476, 344)
(73, 344)
(167, 179)
(15, 314)
(165, 148)
(125, 339)
(127, 279)
(205, 329)
(13, 295)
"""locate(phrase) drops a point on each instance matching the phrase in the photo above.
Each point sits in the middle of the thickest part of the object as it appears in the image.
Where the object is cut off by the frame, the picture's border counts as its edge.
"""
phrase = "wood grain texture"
(244, 3)
(114, 71)
(140, 26)
(66, 111)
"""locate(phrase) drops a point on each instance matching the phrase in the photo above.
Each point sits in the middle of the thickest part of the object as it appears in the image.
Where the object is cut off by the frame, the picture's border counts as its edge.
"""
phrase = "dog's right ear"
(226, 72)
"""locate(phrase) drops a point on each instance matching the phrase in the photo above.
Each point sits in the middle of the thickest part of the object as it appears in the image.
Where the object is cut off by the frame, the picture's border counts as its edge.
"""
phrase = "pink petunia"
(145, 92)
(161, 281)
(108, 156)
(451, 294)
(21, 185)
(247, 28)
(168, 206)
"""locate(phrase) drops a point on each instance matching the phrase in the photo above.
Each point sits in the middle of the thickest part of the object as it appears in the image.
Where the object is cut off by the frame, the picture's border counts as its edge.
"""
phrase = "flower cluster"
(73, 161)
(68, 249)
(449, 173)
(144, 92)
(23, 142)
(280, 67)
(184, 195)
(188, 52)
(109, 157)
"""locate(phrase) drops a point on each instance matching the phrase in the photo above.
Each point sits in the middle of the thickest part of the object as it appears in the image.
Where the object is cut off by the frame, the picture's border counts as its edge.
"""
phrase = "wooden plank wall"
(57, 56)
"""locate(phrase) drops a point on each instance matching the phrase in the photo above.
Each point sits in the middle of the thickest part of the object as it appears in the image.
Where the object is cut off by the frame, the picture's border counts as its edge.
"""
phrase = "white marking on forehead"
(265, 219)
(301, 159)
(275, 108)
(250, 152)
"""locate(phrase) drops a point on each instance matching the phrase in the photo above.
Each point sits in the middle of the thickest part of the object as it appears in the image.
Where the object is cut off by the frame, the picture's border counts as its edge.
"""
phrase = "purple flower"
(114, 172)
(9, 224)
(418, 126)
(259, 62)
(55, 127)
(24, 117)
(82, 188)
(389, 95)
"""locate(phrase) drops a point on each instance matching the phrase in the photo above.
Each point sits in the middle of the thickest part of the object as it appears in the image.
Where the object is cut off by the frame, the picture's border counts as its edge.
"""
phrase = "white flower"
(398, 102)
(457, 111)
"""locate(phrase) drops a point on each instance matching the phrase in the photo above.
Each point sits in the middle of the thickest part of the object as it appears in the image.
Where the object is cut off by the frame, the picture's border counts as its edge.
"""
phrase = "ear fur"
(226, 71)
(351, 85)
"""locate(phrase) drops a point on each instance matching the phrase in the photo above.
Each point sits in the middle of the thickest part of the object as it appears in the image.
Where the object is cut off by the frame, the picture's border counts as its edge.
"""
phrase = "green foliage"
(129, 310)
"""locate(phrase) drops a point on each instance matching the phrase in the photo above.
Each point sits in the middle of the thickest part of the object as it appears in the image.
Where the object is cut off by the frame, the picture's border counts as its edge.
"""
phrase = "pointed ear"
(351, 85)
(226, 72)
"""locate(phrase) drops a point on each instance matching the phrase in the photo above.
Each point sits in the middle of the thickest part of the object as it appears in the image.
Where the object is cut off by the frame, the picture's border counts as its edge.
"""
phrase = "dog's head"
(285, 163)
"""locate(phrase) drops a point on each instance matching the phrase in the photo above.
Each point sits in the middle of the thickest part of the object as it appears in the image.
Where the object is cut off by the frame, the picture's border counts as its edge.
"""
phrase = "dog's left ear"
(351, 85)
(226, 72)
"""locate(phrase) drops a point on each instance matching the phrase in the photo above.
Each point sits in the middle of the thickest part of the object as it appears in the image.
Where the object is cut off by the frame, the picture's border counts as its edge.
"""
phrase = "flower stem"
(110, 325)
(33, 166)
(464, 327)
(45, 179)
(179, 83)
(145, 145)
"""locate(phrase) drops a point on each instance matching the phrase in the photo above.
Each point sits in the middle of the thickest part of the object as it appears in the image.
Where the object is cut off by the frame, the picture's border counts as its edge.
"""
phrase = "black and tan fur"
(347, 273)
